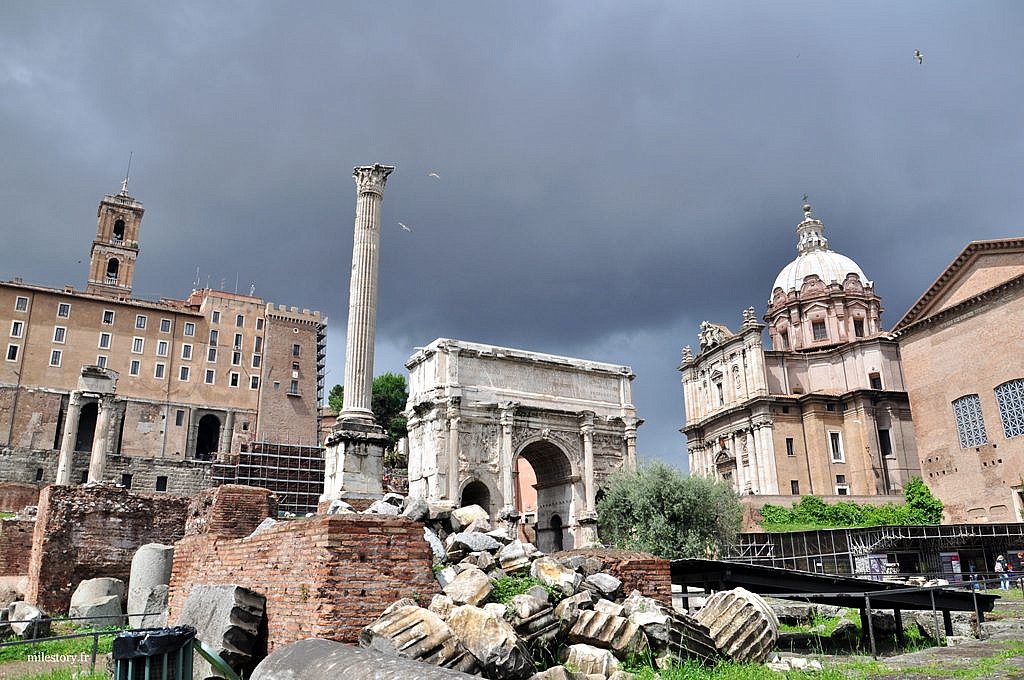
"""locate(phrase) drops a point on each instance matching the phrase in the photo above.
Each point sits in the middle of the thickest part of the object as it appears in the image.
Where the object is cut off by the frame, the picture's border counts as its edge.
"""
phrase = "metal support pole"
(901, 637)
(95, 651)
(935, 617)
(977, 612)
(871, 625)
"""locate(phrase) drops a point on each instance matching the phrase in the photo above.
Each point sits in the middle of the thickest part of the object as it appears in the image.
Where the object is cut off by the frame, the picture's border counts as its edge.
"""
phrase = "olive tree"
(656, 509)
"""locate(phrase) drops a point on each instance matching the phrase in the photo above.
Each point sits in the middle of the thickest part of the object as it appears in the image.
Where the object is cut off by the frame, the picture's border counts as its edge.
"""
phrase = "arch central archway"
(550, 494)
(208, 436)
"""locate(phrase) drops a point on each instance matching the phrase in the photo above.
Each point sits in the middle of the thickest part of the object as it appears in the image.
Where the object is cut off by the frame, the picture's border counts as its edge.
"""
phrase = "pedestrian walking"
(1004, 577)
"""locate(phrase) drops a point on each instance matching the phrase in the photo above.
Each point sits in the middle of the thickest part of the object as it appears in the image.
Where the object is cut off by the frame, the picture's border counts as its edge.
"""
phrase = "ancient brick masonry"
(15, 496)
(651, 575)
(230, 511)
(325, 576)
(91, 531)
(15, 546)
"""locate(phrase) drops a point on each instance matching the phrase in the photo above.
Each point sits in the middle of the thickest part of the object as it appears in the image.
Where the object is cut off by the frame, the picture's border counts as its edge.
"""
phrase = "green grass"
(62, 675)
(73, 646)
(507, 587)
(991, 667)
(1013, 593)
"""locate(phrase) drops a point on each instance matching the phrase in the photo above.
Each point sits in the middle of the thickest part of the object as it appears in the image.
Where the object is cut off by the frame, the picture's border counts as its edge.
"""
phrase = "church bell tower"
(112, 263)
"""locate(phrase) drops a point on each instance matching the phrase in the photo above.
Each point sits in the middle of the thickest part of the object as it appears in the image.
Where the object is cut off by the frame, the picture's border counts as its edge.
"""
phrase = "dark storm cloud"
(610, 173)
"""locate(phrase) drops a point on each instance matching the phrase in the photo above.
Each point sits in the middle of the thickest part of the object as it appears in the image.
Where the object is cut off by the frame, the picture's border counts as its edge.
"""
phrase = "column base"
(585, 535)
(354, 459)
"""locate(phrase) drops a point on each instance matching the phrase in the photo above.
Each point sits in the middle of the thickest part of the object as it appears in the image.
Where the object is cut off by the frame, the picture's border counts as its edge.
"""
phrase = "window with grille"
(970, 426)
(818, 328)
(1010, 397)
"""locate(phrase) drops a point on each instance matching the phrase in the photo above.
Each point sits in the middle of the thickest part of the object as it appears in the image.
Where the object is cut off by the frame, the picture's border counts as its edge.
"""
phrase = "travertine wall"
(15, 546)
(325, 576)
(184, 477)
(89, 532)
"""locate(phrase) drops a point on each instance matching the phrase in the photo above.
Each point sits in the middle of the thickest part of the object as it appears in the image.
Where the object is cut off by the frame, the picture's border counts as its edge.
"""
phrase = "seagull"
(405, 227)
(434, 175)
(919, 56)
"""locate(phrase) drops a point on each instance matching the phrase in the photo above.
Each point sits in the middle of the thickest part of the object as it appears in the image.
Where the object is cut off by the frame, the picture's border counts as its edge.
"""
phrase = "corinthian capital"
(370, 179)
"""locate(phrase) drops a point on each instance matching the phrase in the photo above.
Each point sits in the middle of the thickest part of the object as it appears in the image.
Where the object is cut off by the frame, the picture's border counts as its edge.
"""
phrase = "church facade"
(823, 409)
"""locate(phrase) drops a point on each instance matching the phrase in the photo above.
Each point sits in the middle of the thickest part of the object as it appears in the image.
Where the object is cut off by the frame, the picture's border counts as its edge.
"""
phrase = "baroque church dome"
(815, 258)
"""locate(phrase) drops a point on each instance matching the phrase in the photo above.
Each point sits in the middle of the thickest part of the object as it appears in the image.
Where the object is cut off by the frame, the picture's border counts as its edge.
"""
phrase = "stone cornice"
(903, 330)
(951, 273)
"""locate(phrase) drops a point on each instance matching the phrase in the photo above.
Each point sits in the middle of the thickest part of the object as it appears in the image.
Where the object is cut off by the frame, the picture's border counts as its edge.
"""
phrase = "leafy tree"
(809, 512)
(390, 392)
(657, 510)
(336, 397)
(924, 507)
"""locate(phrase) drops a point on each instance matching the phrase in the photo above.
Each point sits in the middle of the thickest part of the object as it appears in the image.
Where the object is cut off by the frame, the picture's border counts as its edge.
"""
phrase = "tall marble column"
(67, 442)
(362, 295)
(98, 459)
(354, 459)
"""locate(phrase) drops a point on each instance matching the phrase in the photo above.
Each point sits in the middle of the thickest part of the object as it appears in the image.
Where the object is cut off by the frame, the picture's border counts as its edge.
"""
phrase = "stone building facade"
(962, 345)
(97, 384)
(474, 410)
(824, 410)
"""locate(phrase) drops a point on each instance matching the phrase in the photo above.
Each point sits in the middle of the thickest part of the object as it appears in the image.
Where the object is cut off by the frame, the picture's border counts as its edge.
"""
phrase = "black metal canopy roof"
(805, 586)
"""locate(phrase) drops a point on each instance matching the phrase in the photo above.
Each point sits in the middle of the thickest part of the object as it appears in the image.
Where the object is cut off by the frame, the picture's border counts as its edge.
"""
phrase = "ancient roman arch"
(475, 409)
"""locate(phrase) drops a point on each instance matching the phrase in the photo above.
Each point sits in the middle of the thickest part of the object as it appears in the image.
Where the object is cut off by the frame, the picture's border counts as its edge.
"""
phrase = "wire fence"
(121, 623)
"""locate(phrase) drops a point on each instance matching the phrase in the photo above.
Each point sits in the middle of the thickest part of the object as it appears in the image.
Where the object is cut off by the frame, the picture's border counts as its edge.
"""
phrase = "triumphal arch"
(474, 410)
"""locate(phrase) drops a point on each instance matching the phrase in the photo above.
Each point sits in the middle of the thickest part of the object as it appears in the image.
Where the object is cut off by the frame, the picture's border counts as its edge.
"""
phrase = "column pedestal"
(586, 531)
(354, 461)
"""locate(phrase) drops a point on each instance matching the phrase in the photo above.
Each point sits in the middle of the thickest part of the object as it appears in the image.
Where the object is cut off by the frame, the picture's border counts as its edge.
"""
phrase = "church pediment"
(982, 266)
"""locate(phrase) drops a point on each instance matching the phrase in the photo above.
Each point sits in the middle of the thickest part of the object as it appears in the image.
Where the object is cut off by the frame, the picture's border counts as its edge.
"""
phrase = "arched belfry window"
(119, 230)
(1010, 397)
(112, 268)
(970, 425)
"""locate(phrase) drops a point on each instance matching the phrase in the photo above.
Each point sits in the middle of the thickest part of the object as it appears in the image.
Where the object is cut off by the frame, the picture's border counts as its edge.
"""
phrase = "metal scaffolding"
(845, 551)
(295, 473)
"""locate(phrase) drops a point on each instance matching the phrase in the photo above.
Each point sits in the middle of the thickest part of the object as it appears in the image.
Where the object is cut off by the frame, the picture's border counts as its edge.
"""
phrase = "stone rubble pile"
(574, 623)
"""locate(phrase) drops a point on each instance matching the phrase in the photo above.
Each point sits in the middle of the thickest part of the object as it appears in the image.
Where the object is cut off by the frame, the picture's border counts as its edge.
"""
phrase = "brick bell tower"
(112, 262)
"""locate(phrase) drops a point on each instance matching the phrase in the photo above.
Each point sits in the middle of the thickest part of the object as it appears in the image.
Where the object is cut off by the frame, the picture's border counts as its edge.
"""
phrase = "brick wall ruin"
(15, 546)
(16, 496)
(85, 532)
(651, 575)
(229, 511)
(325, 576)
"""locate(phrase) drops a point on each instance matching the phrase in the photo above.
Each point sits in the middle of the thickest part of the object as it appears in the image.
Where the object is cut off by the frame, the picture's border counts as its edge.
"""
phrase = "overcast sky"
(611, 173)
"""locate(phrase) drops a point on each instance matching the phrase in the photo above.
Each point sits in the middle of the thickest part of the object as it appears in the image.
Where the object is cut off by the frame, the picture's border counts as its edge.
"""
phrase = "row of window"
(141, 320)
(970, 422)
(842, 488)
(820, 332)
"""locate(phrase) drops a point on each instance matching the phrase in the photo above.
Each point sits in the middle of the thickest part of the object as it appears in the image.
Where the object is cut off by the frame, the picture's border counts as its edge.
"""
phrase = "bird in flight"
(434, 175)
(405, 227)
(919, 56)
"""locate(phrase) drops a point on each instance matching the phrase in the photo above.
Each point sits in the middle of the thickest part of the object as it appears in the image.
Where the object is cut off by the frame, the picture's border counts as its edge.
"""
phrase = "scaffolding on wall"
(295, 473)
(846, 551)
